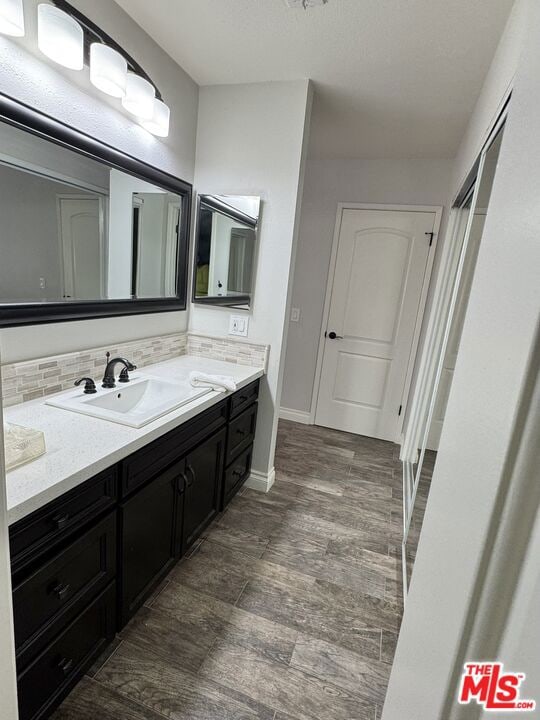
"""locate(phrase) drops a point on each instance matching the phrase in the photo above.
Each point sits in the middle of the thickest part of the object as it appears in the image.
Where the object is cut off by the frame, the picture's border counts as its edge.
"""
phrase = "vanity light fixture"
(158, 124)
(60, 37)
(139, 97)
(12, 18)
(108, 70)
(69, 38)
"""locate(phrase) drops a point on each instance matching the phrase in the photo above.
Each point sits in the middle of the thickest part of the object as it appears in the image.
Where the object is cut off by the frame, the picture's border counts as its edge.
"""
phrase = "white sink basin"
(136, 403)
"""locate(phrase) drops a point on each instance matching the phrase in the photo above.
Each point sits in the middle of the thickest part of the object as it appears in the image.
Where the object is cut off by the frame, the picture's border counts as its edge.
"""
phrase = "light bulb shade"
(159, 122)
(12, 17)
(139, 97)
(60, 37)
(108, 70)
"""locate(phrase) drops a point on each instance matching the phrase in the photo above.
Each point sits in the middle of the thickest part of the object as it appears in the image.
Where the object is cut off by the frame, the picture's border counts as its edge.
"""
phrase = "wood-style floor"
(288, 609)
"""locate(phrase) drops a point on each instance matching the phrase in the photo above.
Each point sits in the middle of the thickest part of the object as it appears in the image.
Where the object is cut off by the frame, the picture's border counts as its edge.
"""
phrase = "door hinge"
(400, 409)
(431, 235)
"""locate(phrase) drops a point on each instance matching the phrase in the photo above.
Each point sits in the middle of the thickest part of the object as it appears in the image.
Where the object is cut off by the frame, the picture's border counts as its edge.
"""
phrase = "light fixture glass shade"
(60, 37)
(159, 122)
(108, 70)
(139, 97)
(12, 18)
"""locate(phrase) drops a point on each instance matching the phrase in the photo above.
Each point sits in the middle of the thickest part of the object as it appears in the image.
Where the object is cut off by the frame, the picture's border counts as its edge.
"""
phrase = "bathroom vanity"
(84, 562)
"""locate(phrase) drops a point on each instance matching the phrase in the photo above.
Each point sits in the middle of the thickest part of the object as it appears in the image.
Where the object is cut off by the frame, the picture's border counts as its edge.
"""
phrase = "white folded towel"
(221, 383)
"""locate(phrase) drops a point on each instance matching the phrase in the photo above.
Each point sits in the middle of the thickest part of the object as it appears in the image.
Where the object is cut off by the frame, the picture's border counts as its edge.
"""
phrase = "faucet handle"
(89, 385)
(124, 375)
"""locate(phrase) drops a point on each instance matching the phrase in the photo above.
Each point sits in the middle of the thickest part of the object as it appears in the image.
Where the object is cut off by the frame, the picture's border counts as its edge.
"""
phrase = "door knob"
(332, 335)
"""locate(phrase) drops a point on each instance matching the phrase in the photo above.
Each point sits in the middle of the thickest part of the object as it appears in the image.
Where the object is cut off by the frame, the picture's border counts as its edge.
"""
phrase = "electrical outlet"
(295, 314)
(42, 283)
(238, 325)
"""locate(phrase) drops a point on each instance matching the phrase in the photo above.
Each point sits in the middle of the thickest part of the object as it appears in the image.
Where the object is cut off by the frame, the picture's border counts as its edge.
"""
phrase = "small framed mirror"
(225, 250)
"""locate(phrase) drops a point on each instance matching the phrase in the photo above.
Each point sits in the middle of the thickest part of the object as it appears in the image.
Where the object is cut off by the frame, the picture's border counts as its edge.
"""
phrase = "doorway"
(81, 243)
(379, 277)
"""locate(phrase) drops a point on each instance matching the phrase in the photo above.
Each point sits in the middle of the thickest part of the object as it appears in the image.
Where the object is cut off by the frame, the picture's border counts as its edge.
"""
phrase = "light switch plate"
(295, 314)
(238, 325)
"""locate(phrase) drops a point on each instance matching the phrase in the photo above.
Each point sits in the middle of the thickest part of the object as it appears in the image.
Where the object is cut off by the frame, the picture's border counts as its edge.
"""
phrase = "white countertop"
(80, 446)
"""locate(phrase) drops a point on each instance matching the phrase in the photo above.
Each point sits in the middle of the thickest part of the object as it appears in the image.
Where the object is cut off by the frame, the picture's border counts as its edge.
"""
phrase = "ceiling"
(393, 78)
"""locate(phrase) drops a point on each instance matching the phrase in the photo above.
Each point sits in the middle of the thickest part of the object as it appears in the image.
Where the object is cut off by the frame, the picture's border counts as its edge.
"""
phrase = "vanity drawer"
(241, 433)
(59, 588)
(151, 460)
(244, 397)
(44, 683)
(236, 474)
(46, 527)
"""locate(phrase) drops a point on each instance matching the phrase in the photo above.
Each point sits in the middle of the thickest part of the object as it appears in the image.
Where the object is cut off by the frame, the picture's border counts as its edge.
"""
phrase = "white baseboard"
(298, 416)
(261, 481)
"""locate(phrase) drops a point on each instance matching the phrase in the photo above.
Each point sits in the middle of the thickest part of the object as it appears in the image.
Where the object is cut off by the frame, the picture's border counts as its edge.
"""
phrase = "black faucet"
(108, 377)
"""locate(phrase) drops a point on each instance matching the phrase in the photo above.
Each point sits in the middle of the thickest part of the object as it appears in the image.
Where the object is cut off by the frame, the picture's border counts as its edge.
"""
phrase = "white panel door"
(376, 295)
(81, 234)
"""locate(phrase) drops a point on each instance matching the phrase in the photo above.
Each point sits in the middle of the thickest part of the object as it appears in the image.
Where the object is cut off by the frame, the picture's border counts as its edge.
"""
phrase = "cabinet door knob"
(61, 591)
(238, 473)
(65, 665)
(61, 521)
(191, 472)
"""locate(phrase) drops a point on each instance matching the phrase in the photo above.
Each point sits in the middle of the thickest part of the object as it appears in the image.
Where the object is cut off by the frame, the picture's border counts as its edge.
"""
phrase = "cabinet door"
(149, 537)
(48, 679)
(204, 469)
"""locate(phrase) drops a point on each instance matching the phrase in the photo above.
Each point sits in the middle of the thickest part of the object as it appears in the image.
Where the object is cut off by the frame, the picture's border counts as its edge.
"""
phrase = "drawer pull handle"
(65, 665)
(61, 591)
(181, 482)
(243, 398)
(61, 521)
(241, 431)
(238, 473)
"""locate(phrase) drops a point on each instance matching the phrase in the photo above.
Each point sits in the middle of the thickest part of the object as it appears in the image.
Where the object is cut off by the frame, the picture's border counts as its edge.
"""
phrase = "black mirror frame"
(12, 315)
(238, 301)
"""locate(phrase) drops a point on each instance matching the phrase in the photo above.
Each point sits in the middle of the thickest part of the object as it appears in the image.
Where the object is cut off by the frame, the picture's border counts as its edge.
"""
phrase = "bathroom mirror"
(86, 231)
(470, 214)
(225, 250)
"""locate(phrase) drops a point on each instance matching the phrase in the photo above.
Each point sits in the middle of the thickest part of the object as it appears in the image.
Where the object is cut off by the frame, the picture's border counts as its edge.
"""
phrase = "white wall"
(498, 339)
(250, 141)
(328, 182)
(497, 84)
(8, 683)
(30, 246)
(68, 96)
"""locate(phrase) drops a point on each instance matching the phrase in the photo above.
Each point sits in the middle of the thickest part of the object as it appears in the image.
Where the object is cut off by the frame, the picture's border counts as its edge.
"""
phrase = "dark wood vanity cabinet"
(203, 495)
(83, 564)
(150, 534)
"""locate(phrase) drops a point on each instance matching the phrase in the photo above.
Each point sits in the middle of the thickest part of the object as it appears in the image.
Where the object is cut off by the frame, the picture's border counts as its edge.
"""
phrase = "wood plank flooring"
(288, 608)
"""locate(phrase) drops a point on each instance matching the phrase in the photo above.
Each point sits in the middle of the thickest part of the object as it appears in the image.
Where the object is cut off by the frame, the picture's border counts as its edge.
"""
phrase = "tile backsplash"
(240, 352)
(33, 379)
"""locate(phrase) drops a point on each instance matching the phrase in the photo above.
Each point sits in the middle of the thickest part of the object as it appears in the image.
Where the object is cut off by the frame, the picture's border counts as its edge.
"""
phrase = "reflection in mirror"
(225, 249)
(75, 229)
(423, 484)
(468, 236)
